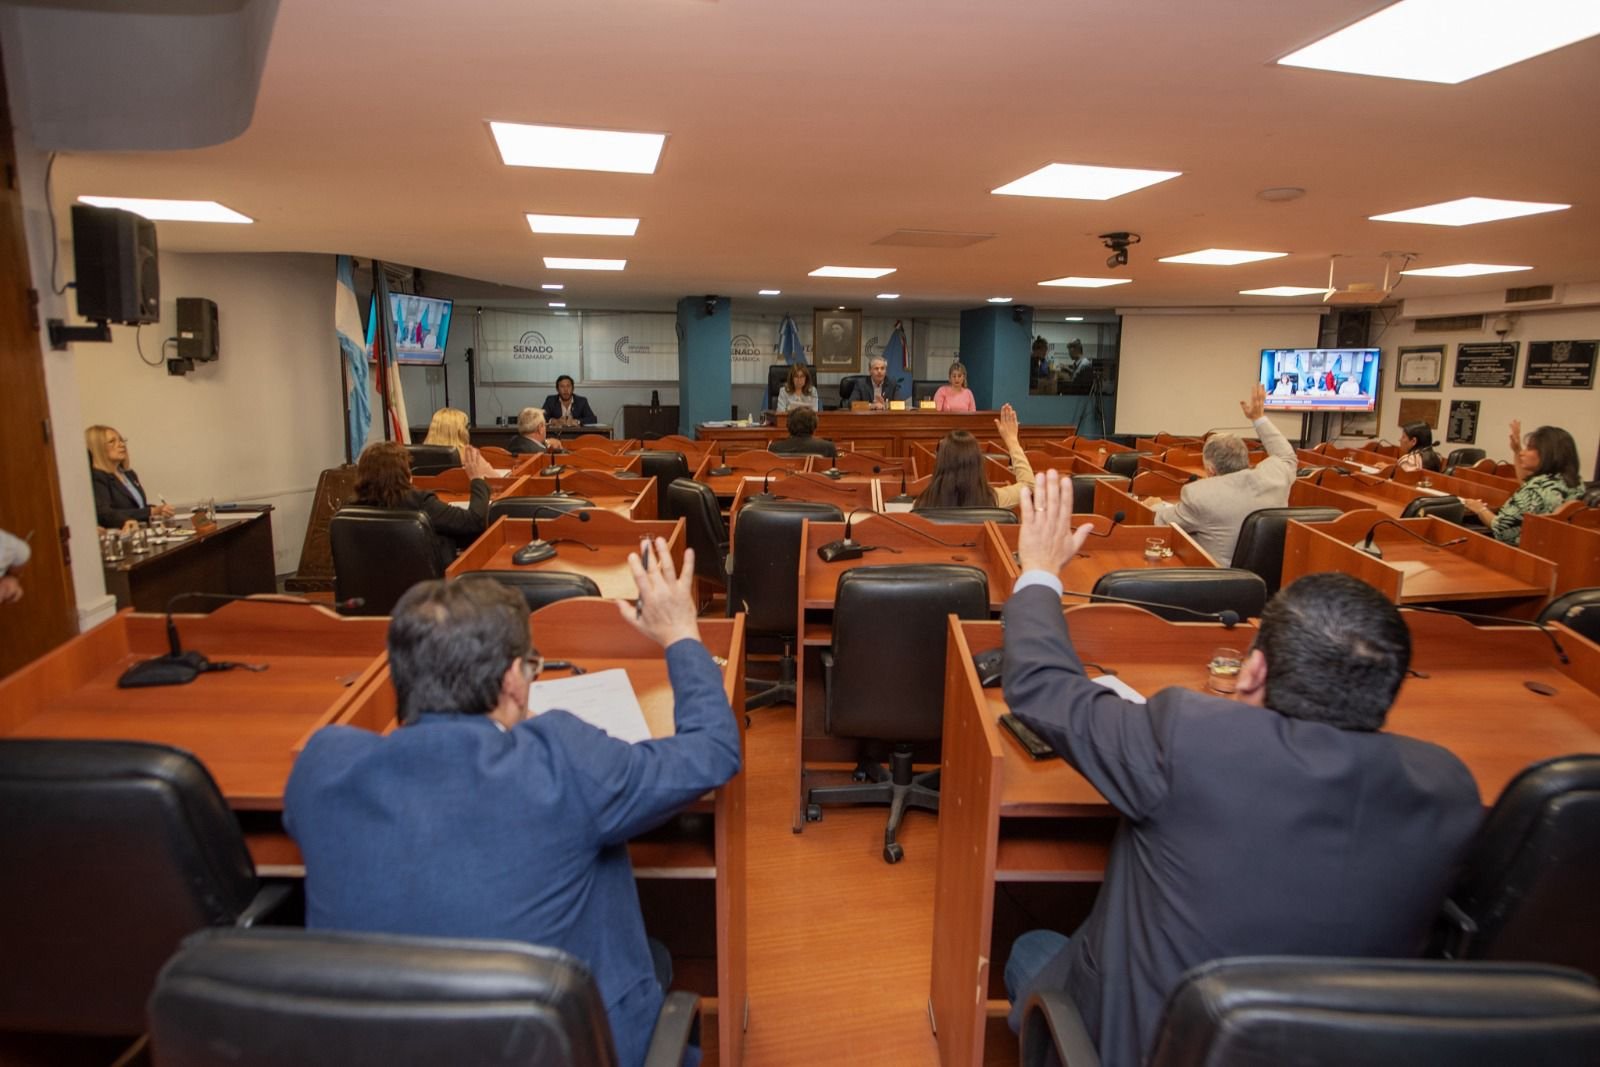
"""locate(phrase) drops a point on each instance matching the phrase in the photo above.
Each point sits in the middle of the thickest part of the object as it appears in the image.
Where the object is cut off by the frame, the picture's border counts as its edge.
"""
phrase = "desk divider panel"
(1575, 550)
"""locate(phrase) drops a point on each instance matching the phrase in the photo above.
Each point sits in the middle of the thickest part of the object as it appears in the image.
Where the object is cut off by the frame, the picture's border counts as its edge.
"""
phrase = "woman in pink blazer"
(955, 396)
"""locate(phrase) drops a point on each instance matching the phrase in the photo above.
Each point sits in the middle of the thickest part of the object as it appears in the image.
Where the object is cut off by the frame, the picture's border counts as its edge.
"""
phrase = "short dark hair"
(802, 422)
(383, 475)
(1558, 454)
(1039, 342)
(450, 644)
(1075, 346)
(564, 378)
(1336, 651)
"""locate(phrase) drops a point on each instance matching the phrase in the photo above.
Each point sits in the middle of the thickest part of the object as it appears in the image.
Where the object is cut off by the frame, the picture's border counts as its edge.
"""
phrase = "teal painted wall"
(705, 368)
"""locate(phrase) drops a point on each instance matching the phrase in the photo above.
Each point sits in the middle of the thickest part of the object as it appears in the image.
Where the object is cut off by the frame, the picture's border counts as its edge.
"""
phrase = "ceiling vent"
(1531, 294)
(1449, 324)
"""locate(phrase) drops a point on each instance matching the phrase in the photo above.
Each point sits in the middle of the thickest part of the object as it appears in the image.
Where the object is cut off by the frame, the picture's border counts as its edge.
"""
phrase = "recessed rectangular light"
(1086, 283)
(1463, 270)
(1468, 211)
(592, 225)
(1073, 318)
(1449, 41)
(558, 304)
(557, 286)
(999, 300)
(769, 292)
(1073, 181)
(888, 296)
(573, 263)
(1285, 290)
(851, 272)
(1222, 257)
(570, 148)
(170, 210)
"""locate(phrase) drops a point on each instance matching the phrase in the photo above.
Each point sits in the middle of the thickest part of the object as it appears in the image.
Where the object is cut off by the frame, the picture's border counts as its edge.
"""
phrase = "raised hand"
(1047, 539)
(1516, 436)
(666, 611)
(1256, 405)
(1006, 425)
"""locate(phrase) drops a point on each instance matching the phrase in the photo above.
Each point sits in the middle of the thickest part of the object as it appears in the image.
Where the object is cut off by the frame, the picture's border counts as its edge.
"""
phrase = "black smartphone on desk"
(1034, 745)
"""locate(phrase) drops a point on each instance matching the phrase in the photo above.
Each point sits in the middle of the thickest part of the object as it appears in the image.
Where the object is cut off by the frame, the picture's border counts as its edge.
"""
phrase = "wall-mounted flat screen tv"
(1320, 379)
(421, 328)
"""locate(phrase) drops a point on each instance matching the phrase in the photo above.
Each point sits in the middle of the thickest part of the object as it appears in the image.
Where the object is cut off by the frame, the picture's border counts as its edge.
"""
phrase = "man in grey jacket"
(1283, 822)
(1212, 509)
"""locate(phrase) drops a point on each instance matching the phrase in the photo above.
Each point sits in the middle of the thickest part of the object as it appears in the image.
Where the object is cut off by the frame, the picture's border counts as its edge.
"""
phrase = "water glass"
(1154, 549)
(1223, 669)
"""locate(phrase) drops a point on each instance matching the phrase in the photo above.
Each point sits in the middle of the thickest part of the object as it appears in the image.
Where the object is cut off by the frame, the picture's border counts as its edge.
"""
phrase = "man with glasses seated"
(475, 819)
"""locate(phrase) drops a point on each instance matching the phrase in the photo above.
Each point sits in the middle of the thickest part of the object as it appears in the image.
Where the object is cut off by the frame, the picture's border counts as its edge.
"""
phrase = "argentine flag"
(897, 353)
(789, 345)
(347, 328)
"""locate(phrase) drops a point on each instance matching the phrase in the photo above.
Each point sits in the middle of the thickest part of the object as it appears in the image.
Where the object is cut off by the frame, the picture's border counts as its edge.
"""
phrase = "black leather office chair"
(1578, 609)
(1083, 489)
(764, 586)
(536, 507)
(960, 515)
(111, 852)
(269, 998)
(1123, 464)
(664, 466)
(539, 587)
(1198, 589)
(707, 534)
(879, 687)
(1260, 544)
(1448, 508)
(1529, 886)
(1321, 1012)
(847, 383)
(433, 459)
(379, 553)
(1462, 457)
(777, 378)
(924, 388)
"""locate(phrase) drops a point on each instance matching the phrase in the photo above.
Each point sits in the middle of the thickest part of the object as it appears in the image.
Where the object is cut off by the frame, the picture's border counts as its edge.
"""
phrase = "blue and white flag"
(789, 345)
(347, 328)
(897, 353)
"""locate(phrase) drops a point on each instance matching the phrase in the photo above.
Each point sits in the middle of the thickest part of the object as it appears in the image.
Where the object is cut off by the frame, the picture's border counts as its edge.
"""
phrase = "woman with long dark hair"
(958, 480)
(799, 391)
(1417, 440)
(383, 480)
(1547, 463)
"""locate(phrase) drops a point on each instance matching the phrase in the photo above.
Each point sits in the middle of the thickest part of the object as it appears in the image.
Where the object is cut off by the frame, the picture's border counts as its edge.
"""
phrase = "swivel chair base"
(897, 787)
(779, 691)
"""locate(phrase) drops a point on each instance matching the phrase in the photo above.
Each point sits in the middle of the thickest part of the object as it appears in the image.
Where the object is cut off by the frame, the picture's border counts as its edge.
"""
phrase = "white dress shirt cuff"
(1037, 577)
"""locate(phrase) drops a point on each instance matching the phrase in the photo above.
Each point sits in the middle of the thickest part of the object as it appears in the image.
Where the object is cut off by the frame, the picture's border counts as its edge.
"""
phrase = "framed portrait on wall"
(1421, 367)
(1358, 424)
(836, 339)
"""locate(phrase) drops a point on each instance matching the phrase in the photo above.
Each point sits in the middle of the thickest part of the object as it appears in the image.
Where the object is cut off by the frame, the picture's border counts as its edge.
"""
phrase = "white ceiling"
(800, 133)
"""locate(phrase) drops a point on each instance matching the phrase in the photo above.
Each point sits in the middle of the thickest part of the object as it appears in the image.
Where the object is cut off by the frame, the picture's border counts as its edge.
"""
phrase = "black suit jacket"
(113, 504)
(580, 409)
(521, 446)
(1244, 832)
(798, 445)
(861, 389)
(453, 528)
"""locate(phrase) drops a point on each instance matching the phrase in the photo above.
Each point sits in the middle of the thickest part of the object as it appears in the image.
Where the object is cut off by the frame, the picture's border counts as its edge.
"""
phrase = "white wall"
(258, 425)
(1575, 410)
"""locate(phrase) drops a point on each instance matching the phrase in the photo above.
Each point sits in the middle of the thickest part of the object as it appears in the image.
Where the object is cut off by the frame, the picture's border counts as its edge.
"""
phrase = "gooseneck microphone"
(1115, 520)
(178, 667)
(903, 497)
(1366, 545)
(1561, 653)
(539, 550)
(1227, 617)
(845, 548)
(723, 468)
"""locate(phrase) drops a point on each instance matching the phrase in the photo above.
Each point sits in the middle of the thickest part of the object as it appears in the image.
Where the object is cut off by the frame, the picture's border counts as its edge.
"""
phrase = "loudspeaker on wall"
(118, 276)
(197, 329)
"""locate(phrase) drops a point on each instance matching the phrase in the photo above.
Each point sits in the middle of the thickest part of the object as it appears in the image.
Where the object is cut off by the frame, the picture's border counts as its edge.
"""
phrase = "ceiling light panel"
(1285, 290)
(1222, 257)
(583, 224)
(1450, 41)
(999, 300)
(1073, 282)
(170, 210)
(557, 286)
(769, 292)
(571, 263)
(888, 296)
(851, 272)
(1463, 270)
(1073, 181)
(1469, 211)
(570, 148)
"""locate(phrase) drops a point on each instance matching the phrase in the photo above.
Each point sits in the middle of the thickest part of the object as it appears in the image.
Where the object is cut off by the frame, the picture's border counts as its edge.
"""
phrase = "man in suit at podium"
(1281, 821)
(566, 408)
(476, 820)
(877, 389)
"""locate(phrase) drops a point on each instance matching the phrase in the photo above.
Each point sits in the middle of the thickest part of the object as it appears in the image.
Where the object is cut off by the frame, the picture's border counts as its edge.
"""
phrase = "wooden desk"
(632, 498)
(454, 487)
(236, 557)
(1474, 476)
(1110, 498)
(749, 465)
(1575, 550)
(611, 536)
(1121, 548)
(849, 494)
(888, 433)
(702, 849)
(1491, 493)
(1387, 496)
(1005, 819)
(1411, 572)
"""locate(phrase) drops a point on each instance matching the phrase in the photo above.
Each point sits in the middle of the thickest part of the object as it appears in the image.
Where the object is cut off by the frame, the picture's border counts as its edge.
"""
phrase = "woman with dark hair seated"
(1547, 463)
(958, 480)
(383, 480)
(1417, 440)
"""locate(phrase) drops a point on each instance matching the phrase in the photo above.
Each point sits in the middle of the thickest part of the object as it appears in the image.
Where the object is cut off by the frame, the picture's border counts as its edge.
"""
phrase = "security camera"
(711, 305)
(1118, 242)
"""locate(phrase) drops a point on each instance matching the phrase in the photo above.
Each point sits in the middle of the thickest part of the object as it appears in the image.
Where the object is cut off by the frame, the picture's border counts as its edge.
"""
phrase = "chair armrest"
(268, 899)
(1454, 930)
(1053, 1033)
(826, 656)
(677, 1022)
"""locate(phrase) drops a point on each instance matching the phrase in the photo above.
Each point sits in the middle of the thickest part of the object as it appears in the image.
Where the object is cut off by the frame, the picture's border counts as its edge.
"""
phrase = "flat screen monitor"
(421, 328)
(1320, 379)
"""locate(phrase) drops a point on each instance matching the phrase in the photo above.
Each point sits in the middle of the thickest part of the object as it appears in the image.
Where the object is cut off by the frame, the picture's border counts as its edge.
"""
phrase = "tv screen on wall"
(421, 328)
(1320, 379)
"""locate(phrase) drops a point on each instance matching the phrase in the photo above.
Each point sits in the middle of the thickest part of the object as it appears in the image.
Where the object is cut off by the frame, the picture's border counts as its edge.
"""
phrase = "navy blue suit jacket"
(453, 827)
(113, 504)
(1245, 832)
(580, 409)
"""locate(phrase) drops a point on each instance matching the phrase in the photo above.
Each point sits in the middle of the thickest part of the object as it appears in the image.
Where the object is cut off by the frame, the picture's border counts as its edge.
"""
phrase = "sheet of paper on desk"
(463, 504)
(603, 699)
(1119, 687)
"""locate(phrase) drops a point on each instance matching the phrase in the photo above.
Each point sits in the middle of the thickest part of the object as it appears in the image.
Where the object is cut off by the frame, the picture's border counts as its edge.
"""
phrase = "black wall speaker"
(197, 329)
(1352, 328)
(114, 253)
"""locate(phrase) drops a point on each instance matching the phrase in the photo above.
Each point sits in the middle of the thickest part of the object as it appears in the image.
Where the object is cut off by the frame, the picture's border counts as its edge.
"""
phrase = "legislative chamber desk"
(594, 543)
(247, 728)
(888, 433)
(632, 498)
(1112, 547)
(235, 557)
(1006, 820)
(1574, 549)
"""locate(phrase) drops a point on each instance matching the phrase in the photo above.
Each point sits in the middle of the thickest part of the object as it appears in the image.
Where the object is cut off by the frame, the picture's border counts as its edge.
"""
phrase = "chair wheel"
(858, 775)
(813, 813)
(893, 853)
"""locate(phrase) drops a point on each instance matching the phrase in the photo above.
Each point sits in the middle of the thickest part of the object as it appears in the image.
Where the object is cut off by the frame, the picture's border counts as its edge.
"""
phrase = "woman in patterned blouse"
(1547, 463)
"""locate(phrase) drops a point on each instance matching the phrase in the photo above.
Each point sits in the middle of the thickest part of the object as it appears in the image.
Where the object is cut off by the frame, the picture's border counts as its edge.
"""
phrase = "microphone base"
(720, 472)
(164, 670)
(839, 551)
(535, 551)
(833, 473)
(903, 498)
(1369, 548)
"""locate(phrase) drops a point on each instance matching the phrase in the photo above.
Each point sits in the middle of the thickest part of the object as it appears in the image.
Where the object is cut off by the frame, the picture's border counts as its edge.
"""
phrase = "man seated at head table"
(476, 820)
(1212, 509)
(802, 424)
(877, 389)
(533, 435)
(565, 408)
(1281, 822)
